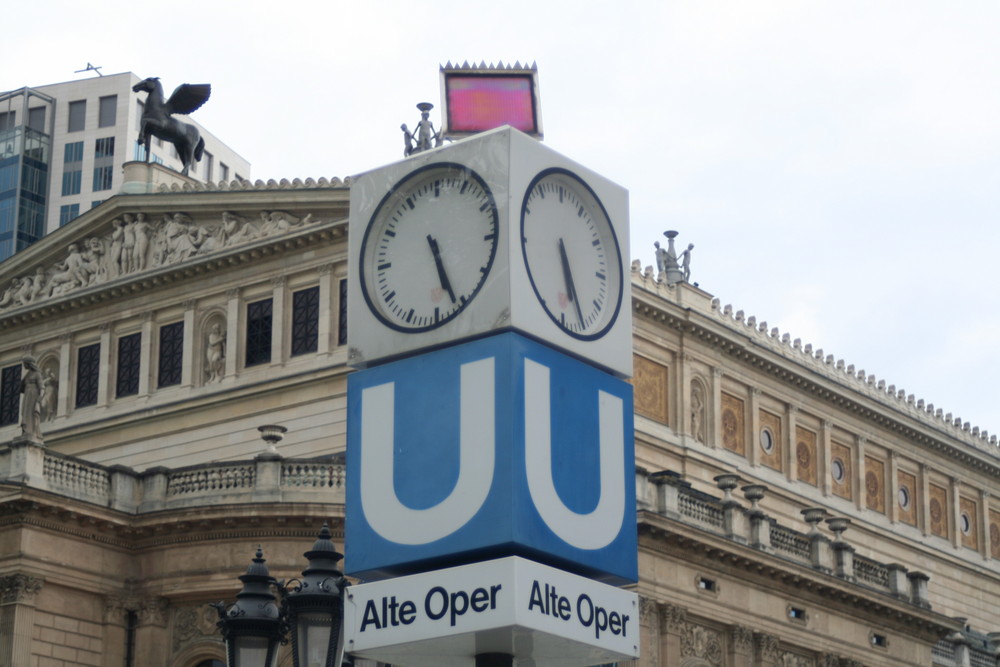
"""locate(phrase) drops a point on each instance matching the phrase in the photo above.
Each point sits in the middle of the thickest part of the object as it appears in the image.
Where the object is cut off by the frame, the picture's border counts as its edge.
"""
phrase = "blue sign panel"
(497, 447)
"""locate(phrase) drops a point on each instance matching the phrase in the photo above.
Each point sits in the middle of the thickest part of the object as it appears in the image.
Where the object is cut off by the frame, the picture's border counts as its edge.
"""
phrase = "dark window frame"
(88, 375)
(260, 319)
(128, 365)
(305, 321)
(170, 364)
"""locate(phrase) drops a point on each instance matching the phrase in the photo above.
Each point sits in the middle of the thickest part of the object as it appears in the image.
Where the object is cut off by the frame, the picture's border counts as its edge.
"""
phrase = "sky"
(836, 163)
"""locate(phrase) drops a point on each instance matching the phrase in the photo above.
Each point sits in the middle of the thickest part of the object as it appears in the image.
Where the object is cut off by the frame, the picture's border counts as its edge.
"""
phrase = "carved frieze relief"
(700, 642)
(193, 623)
(136, 244)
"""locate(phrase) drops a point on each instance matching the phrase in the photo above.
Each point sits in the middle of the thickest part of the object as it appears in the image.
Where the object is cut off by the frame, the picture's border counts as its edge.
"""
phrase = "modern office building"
(793, 510)
(62, 147)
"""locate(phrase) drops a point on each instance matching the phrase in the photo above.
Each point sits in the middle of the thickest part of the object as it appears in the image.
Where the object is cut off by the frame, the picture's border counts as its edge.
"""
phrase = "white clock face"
(429, 247)
(571, 253)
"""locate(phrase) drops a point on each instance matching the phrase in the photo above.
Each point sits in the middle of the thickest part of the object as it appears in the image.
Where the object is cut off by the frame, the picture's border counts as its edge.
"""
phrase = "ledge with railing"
(266, 478)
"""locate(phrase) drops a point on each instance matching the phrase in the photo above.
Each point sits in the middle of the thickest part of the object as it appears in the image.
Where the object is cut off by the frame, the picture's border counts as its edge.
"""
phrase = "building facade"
(62, 147)
(793, 510)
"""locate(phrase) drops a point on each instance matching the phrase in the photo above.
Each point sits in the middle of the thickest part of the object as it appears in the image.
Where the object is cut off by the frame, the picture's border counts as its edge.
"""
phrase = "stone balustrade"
(266, 478)
(669, 495)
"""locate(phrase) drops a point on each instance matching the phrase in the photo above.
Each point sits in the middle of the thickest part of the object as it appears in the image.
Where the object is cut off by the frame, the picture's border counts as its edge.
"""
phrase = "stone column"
(672, 621)
(753, 437)
(116, 609)
(714, 434)
(278, 320)
(823, 457)
(649, 630)
(65, 361)
(17, 618)
(791, 467)
(740, 646)
(151, 635)
(327, 312)
(858, 481)
(234, 347)
(146, 353)
(188, 362)
(766, 652)
(104, 372)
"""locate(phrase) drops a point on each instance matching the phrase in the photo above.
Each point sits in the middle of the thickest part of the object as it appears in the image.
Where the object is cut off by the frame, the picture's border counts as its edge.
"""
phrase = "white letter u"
(596, 529)
(477, 434)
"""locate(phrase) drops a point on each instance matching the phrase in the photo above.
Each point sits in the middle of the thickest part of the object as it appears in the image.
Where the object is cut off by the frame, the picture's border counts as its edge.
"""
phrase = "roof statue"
(420, 140)
(672, 268)
(157, 118)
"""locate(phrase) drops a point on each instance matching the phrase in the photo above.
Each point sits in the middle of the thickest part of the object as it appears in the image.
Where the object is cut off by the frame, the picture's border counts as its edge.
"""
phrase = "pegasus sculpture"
(157, 118)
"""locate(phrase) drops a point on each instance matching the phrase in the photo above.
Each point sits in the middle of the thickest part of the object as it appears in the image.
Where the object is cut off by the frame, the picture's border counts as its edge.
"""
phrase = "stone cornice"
(820, 379)
(663, 535)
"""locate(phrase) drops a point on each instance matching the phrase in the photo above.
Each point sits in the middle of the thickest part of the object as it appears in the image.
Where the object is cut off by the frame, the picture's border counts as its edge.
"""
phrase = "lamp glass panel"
(314, 638)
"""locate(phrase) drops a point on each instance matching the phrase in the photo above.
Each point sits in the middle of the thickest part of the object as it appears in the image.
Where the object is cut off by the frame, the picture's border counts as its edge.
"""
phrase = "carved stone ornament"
(116, 606)
(742, 638)
(136, 244)
(648, 608)
(19, 588)
(672, 618)
(699, 642)
(767, 647)
(828, 660)
(194, 623)
(796, 660)
(154, 611)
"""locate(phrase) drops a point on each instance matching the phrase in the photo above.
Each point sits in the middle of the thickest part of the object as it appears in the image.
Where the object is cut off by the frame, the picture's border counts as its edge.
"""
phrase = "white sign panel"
(509, 605)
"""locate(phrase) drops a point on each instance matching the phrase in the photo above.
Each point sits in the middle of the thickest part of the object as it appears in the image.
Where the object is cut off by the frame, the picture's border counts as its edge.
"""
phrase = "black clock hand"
(568, 276)
(442, 276)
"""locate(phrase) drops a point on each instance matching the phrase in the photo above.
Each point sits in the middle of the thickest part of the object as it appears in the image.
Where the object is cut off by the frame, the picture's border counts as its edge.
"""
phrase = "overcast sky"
(835, 162)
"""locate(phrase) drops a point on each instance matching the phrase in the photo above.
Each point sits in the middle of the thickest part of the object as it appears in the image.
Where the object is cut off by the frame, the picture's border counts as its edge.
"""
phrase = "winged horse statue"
(157, 120)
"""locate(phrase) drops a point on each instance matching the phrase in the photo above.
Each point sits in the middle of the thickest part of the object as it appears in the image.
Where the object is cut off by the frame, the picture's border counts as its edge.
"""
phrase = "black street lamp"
(311, 607)
(315, 607)
(253, 627)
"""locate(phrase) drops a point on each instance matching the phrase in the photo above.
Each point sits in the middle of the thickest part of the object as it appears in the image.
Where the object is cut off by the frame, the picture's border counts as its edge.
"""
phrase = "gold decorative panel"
(650, 382)
(874, 484)
(769, 440)
(938, 506)
(841, 472)
(995, 534)
(733, 424)
(805, 455)
(968, 522)
(906, 500)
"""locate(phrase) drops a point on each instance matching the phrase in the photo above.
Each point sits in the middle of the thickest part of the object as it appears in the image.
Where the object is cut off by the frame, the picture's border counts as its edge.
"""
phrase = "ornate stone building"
(793, 511)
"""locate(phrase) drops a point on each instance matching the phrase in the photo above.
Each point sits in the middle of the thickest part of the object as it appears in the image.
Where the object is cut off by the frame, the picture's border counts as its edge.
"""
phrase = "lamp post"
(253, 627)
(312, 608)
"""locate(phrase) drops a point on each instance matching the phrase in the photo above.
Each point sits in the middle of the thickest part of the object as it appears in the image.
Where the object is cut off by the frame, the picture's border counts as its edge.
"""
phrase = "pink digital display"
(482, 102)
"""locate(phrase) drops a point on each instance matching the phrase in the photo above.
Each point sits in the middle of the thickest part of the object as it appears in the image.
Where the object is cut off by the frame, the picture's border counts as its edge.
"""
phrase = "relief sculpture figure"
(31, 400)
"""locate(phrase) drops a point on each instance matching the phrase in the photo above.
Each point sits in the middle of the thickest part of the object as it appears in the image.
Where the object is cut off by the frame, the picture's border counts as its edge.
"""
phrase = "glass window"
(108, 111)
(72, 181)
(104, 147)
(88, 373)
(342, 315)
(77, 115)
(140, 108)
(129, 348)
(7, 119)
(73, 152)
(10, 395)
(102, 178)
(95, 204)
(305, 321)
(208, 165)
(36, 119)
(223, 171)
(139, 154)
(68, 212)
(258, 332)
(171, 354)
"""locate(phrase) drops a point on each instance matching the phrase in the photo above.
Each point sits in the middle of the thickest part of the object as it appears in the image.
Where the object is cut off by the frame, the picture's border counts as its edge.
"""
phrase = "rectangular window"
(140, 108)
(104, 147)
(7, 119)
(108, 111)
(68, 212)
(36, 119)
(171, 354)
(305, 321)
(207, 157)
(139, 153)
(258, 332)
(102, 178)
(223, 172)
(342, 314)
(77, 115)
(73, 152)
(72, 180)
(129, 349)
(95, 204)
(10, 394)
(88, 373)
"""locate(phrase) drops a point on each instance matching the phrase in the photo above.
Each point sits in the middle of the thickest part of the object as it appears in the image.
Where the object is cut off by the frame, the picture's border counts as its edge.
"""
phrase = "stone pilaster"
(740, 646)
(17, 618)
(673, 622)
